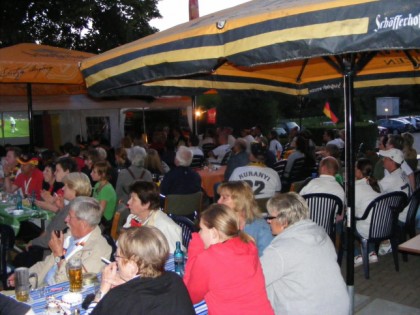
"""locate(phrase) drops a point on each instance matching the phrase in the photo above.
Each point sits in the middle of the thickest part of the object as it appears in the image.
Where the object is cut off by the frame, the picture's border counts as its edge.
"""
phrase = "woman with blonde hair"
(238, 195)
(137, 282)
(223, 267)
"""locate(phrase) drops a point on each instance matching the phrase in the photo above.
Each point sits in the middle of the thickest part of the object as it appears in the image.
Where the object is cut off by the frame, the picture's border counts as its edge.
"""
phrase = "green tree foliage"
(87, 25)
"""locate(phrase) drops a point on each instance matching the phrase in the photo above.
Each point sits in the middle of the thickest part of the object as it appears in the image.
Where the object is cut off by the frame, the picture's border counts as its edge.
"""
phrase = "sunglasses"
(269, 218)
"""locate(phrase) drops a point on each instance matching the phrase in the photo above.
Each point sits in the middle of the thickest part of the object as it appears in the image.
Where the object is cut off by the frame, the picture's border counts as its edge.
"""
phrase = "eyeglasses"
(269, 218)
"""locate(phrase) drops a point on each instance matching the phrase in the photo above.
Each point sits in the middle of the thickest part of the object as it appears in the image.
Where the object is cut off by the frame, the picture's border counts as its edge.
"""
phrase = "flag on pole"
(327, 111)
(193, 9)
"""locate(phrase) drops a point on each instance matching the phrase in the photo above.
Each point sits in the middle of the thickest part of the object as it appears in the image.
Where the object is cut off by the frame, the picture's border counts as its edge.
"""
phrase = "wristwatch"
(57, 259)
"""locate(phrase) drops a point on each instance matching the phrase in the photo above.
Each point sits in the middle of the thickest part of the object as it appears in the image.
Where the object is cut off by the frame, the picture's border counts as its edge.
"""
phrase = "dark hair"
(147, 192)
(330, 133)
(194, 140)
(384, 140)
(301, 144)
(68, 164)
(258, 150)
(365, 166)
(274, 134)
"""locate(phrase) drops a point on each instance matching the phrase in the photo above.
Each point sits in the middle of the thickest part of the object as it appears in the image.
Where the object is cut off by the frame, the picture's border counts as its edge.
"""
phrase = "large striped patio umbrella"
(300, 47)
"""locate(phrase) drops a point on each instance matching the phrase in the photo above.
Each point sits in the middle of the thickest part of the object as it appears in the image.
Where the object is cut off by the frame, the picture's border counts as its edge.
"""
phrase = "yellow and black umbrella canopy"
(301, 47)
(275, 46)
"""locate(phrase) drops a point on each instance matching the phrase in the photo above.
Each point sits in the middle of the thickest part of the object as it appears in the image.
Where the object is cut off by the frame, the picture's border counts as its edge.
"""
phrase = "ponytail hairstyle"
(224, 220)
(365, 166)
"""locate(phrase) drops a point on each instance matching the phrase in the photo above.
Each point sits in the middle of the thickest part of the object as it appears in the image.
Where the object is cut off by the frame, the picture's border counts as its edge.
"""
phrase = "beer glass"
(74, 270)
(22, 285)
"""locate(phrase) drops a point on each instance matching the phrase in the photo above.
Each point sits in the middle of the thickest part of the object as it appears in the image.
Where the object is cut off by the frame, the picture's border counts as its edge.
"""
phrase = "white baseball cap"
(394, 154)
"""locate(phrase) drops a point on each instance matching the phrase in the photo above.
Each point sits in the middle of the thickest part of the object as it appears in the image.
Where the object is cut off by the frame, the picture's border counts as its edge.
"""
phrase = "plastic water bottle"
(179, 259)
(33, 198)
(19, 201)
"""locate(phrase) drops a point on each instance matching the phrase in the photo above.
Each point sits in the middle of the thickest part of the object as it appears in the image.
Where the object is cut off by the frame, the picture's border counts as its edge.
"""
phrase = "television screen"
(15, 127)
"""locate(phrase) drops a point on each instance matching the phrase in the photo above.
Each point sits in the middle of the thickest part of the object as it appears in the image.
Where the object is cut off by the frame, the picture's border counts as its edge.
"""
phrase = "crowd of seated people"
(240, 261)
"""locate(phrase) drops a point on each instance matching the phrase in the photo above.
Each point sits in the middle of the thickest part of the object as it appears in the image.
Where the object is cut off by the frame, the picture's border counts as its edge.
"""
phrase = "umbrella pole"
(194, 116)
(30, 118)
(350, 177)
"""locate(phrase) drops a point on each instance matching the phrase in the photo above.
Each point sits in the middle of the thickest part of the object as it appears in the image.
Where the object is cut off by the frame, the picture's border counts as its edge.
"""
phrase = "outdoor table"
(411, 246)
(209, 177)
(38, 297)
(14, 220)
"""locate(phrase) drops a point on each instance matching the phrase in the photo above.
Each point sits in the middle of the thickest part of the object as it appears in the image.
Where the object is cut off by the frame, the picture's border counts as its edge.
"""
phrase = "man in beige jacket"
(84, 241)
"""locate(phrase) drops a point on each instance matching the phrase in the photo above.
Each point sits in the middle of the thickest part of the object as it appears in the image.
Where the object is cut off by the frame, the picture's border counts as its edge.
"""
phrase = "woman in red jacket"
(223, 266)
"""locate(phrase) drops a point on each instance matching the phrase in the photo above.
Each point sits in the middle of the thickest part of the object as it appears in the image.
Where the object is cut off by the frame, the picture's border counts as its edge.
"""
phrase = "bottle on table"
(179, 259)
(33, 198)
(19, 201)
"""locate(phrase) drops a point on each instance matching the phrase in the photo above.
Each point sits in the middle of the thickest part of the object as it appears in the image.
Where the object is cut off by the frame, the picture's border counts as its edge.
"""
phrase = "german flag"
(327, 111)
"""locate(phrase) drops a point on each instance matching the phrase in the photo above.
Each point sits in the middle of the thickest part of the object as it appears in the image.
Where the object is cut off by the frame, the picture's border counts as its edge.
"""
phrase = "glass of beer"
(22, 285)
(74, 269)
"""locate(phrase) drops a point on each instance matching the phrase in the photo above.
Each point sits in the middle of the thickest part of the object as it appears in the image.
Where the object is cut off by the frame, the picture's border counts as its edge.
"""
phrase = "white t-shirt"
(265, 181)
(364, 196)
(196, 151)
(404, 167)
(396, 181)
(324, 184)
(220, 152)
(338, 142)
(275, 146)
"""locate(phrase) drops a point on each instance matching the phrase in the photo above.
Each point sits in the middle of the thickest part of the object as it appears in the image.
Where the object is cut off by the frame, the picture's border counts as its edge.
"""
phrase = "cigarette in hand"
(106, 261)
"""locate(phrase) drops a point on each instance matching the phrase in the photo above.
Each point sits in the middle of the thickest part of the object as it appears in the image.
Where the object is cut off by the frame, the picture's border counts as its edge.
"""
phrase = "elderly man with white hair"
(181, 180)
(134, 172)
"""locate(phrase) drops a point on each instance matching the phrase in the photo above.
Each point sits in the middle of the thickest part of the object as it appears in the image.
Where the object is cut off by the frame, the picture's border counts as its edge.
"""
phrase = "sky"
(175, 12)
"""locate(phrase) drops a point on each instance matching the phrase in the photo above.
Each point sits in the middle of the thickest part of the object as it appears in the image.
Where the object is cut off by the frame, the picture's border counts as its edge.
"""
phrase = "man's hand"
(56, 244)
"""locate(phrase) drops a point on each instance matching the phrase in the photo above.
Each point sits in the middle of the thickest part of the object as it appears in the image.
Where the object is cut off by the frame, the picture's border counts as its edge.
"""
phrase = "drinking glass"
(22, 285)
(74, 269)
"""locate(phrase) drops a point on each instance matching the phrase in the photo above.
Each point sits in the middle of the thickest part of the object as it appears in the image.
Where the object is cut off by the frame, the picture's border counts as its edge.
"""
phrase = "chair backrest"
(226, 158)
(279, 167)
(183, 204)
(111, 243)
(118, 221)
(188, 227)
(417, 178)
(410, 222)
(323, 209)
(197, 161)
(298, 171)
(7, 241)
(384, 214)
(207, 148)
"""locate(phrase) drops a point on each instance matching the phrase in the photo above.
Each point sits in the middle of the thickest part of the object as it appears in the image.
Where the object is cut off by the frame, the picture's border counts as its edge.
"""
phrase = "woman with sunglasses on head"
(136, 283)
(223, 267)
(300, 265)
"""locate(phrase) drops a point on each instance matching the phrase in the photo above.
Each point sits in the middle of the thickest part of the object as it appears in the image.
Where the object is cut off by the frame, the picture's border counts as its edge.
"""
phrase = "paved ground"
(385, 283)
